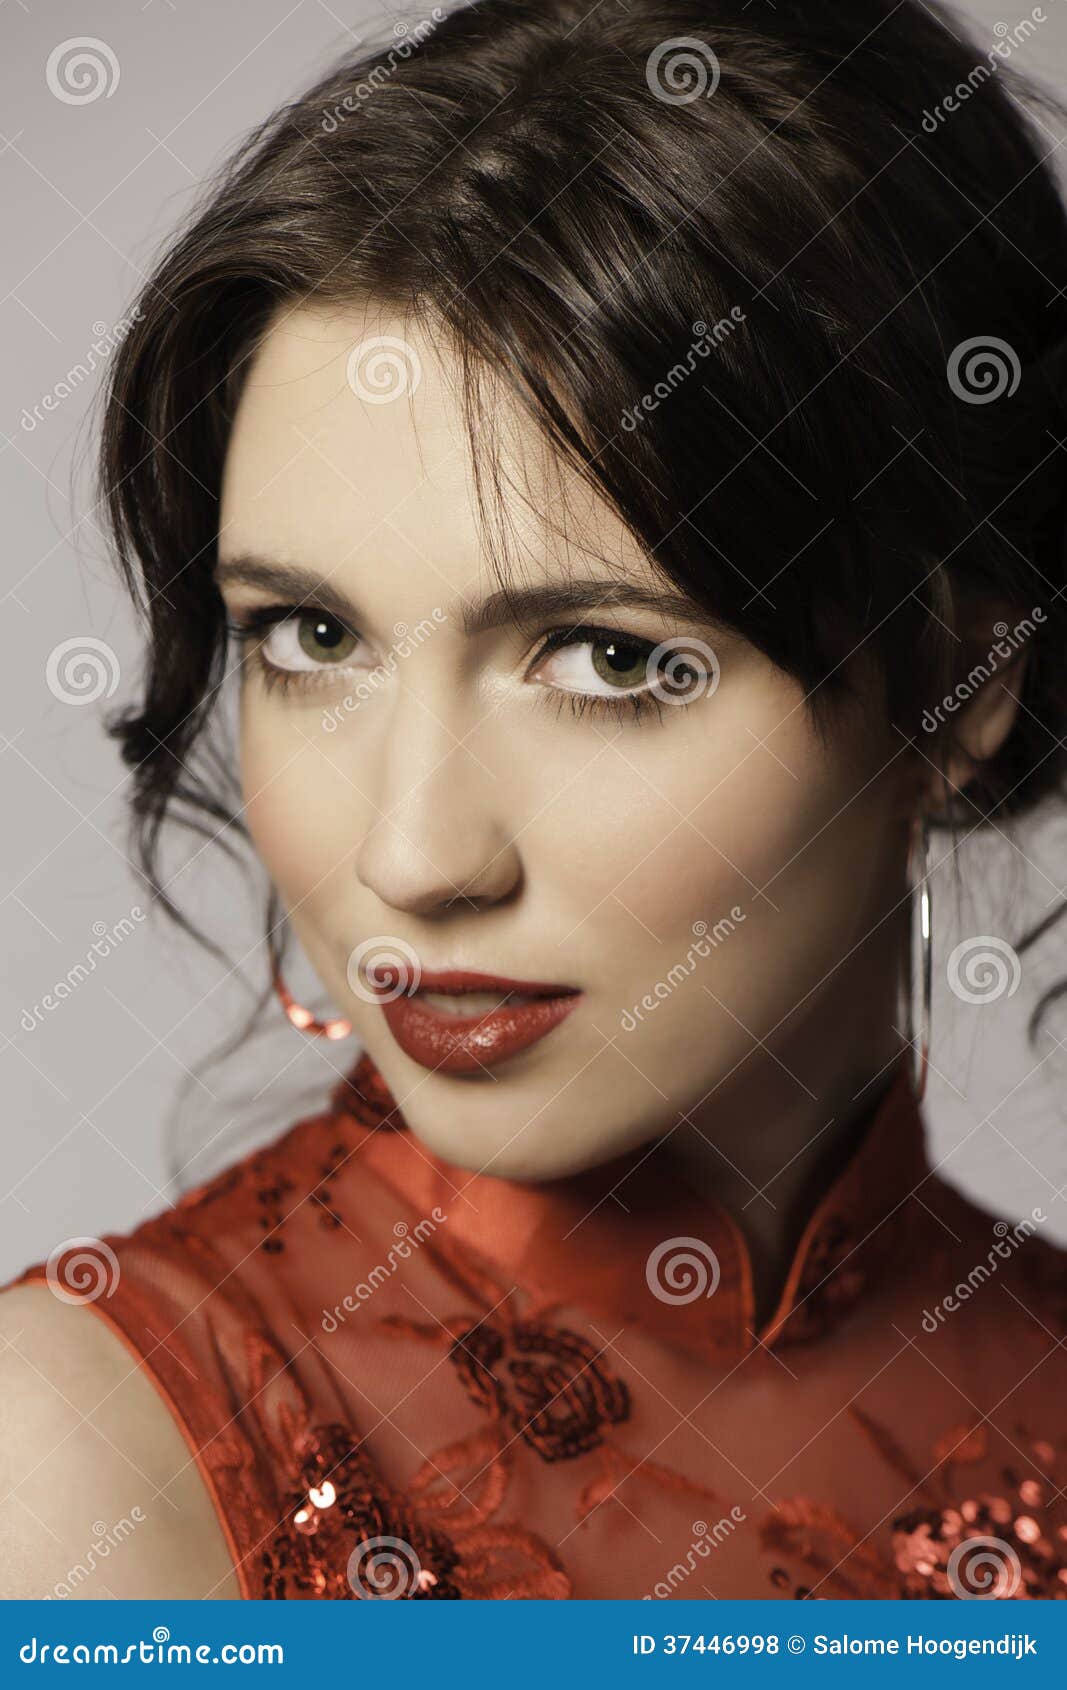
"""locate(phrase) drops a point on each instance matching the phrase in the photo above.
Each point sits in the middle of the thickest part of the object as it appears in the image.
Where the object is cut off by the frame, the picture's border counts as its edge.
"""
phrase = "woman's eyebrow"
(288, 580)
(571, 598)
(520, 605)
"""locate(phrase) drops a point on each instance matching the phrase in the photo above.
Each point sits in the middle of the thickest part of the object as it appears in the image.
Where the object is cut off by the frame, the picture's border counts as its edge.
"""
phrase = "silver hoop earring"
(919, 903)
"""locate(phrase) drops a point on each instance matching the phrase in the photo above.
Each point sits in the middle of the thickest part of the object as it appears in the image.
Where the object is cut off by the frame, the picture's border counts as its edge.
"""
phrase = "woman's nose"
(438, 835)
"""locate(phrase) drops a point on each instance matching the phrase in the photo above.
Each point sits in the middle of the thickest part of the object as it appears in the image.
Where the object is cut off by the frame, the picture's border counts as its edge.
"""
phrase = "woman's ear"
(984, 701)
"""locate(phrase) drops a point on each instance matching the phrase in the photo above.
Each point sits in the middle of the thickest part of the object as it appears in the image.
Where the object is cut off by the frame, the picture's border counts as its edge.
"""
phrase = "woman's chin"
(530, 1153)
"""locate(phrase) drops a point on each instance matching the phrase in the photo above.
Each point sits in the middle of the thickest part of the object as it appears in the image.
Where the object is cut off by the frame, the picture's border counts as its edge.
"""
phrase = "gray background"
(107, 1095)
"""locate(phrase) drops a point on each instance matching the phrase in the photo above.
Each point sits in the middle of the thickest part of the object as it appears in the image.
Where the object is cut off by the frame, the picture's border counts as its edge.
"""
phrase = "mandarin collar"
(630, 1240)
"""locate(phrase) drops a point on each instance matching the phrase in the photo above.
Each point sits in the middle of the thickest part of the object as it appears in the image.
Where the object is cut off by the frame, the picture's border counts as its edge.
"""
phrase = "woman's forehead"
(350, 441)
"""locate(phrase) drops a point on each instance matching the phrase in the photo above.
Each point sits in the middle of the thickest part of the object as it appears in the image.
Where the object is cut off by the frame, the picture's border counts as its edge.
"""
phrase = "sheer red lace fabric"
(400, 1379)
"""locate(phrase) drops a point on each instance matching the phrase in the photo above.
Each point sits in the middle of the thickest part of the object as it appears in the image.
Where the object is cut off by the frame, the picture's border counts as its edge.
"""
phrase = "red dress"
(402, 1379)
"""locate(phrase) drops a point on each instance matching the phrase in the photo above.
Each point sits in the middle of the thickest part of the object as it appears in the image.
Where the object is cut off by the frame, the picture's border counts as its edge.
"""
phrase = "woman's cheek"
(686, 825)
(287, 808)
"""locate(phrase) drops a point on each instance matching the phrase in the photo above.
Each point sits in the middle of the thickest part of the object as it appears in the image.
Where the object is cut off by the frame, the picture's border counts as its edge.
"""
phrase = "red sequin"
(346, 1533)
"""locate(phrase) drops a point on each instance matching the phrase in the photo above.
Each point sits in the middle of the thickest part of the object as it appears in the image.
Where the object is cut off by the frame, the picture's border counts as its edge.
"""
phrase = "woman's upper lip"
(461, 980)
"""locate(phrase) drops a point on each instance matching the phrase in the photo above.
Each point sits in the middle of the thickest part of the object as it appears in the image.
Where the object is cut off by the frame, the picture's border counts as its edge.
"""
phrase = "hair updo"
(786, 285)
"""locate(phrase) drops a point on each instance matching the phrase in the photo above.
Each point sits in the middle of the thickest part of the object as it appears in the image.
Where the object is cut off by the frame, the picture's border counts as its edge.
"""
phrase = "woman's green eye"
(324, 639)
(308, 640)
(597, 663)
(620, 662)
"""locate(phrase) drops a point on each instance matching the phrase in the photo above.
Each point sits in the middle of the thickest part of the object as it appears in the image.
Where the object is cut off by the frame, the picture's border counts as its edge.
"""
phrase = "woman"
(617, 447)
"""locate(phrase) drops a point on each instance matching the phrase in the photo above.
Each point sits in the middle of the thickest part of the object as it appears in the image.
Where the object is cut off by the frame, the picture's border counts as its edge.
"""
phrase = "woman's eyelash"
(628, 707)
(262, 617)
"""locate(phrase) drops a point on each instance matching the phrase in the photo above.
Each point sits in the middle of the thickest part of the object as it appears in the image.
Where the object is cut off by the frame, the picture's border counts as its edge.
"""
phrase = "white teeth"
(469, 1003)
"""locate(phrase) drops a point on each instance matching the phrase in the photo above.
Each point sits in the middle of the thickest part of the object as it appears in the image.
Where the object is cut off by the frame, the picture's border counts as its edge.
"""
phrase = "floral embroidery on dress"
(347, 1533)
(364, 1544)
(274, 1192)
(322, 1195)
(542, 1385)
(546, 1382)
(999, 1545)
(271, 1195)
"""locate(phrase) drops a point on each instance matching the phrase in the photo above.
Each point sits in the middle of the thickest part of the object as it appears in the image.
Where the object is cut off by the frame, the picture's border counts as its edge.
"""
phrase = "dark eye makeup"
(616, 656)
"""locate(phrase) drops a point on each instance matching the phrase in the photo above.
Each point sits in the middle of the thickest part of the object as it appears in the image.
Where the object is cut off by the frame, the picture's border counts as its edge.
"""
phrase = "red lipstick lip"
(468, 1044)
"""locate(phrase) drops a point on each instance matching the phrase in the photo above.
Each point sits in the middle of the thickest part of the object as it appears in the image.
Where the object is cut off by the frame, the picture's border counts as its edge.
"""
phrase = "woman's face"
(434, 786)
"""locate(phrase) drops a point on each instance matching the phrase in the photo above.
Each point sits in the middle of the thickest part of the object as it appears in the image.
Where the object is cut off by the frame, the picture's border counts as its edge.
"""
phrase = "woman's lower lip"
(466, 1044)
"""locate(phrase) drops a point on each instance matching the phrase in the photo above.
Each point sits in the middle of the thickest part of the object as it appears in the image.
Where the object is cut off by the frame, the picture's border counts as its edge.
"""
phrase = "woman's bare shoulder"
(103, 1497)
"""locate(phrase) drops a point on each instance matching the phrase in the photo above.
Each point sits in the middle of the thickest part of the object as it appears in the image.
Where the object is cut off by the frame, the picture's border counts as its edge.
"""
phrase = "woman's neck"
(770, 1139)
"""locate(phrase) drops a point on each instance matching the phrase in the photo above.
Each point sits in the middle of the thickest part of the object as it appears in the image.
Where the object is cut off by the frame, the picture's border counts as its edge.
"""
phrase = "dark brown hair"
(572, 194)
